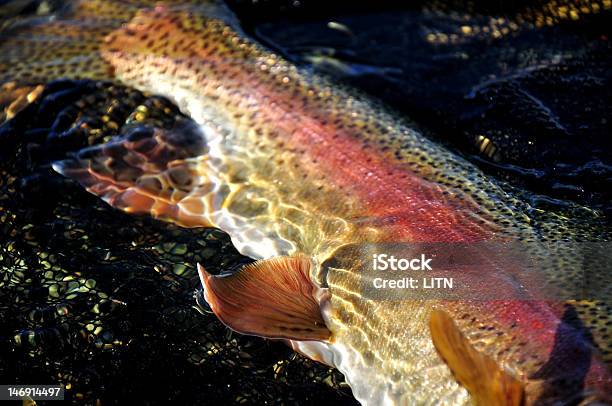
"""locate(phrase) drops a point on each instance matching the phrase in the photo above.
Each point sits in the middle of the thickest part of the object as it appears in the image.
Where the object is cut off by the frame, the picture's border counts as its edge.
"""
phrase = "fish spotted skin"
(298, 164)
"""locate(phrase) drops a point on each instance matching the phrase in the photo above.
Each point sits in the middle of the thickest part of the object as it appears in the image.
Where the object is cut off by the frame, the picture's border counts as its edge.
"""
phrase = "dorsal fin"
(273, 298)
(485, 380)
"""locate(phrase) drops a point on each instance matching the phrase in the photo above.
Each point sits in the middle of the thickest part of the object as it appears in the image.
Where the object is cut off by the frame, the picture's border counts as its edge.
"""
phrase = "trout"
(303, 173)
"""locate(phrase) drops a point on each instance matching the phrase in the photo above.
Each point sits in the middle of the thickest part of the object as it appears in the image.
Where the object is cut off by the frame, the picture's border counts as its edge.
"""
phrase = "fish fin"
(67, 43)
(272, 298)
(14, 98)
(37, 50)
(73, 41)
(485, 380)
(148, 171)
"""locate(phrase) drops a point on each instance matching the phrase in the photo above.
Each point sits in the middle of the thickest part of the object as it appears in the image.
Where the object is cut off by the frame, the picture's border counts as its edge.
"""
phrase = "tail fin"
(39, 49)
(67, 44)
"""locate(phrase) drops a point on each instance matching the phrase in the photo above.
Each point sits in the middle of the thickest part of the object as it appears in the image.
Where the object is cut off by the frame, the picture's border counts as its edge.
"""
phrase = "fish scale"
(298, 164)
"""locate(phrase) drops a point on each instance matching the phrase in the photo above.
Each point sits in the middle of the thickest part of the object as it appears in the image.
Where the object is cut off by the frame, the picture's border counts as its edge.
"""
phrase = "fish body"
(289, 163)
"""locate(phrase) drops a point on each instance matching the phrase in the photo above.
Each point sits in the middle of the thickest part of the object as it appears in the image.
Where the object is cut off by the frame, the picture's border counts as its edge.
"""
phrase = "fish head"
(497, 343)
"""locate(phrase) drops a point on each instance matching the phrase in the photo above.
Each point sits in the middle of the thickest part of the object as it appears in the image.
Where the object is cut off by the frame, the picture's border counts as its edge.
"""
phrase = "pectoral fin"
(272, 298)
(148, 171)
(485, 380)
